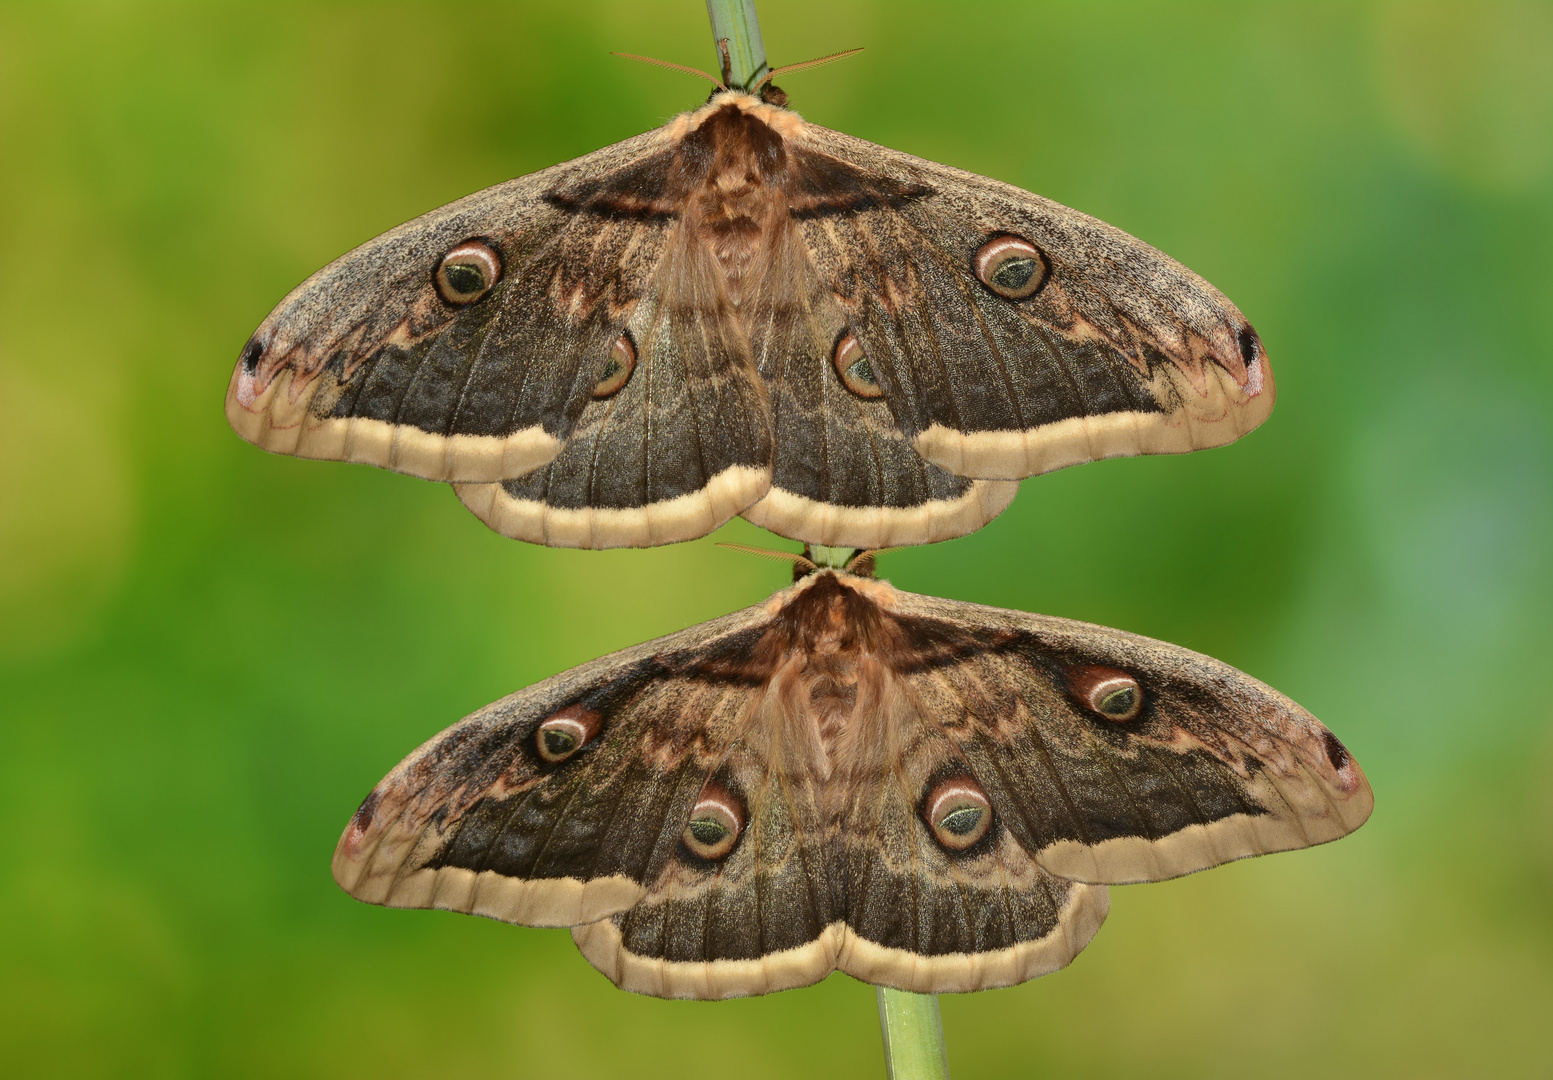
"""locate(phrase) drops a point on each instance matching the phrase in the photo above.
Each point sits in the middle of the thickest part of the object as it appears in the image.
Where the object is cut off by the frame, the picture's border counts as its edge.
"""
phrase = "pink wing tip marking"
(361, 824)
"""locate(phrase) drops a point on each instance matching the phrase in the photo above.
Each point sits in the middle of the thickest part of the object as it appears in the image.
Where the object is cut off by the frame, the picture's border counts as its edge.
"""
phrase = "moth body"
(924, 793)
(747, 313)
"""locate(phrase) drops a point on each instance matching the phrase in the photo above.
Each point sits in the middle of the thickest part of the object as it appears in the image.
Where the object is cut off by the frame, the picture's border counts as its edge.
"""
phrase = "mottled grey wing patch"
(844, 472)
(1119, 350)
(1202, 766)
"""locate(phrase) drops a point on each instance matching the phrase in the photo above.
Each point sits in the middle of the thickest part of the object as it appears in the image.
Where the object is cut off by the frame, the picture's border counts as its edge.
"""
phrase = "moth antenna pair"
(773, 73)
(859, 563)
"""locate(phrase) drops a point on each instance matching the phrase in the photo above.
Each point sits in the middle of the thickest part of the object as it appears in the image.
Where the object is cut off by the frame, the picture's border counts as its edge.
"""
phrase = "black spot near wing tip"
(1249, 344)
(362, 819)
(251, 354)
(1337, 753)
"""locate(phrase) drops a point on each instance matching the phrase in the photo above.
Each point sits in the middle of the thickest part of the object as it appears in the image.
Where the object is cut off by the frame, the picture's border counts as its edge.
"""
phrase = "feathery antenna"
(674, 67)
(785, 68)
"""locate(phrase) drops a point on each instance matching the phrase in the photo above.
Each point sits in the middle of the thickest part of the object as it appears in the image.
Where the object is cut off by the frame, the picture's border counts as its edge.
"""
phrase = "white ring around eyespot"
(994, 252)
(727, 811)
(968, 793)
(470, 252)
(846, 354)
(1106, 687)
(574, 725)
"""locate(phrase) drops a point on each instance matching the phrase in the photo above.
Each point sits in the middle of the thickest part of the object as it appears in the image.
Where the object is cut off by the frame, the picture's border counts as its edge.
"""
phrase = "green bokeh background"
(209, 654)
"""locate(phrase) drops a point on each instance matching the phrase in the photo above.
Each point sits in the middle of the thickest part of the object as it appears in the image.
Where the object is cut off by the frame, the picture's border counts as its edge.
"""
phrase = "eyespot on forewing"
(562, 734)
(1107, 691)
(1011, 267)
(468, 272)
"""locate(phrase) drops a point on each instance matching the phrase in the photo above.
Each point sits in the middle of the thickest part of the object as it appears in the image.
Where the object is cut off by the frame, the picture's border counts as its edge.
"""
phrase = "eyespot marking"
(618, 368)
(1011, 266)
(958, 813)
(853, 368)
(715, 825)
(563, 733)
(1108, 691)
(468, 272)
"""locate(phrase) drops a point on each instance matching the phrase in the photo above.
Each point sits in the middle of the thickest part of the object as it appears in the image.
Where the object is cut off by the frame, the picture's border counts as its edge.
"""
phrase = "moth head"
(561, 734)
(468, 272)
(1011, 266)
(817, 557)
(1108, 692)
(958, 812)
(716, 823)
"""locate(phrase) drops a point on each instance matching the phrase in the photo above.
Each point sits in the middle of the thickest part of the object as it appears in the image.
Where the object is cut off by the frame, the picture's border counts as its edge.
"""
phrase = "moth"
(926, 794)
(742, 312)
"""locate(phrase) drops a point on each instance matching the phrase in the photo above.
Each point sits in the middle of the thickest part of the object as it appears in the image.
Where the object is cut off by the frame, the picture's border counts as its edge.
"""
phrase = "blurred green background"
(209, 654)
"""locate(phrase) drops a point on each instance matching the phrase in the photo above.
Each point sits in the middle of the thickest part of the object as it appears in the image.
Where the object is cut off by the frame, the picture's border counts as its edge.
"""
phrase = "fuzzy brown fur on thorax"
(833, 635)
(738, 165)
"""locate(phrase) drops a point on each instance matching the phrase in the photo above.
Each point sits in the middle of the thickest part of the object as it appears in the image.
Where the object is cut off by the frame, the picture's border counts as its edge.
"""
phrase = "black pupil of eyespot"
(611, 369)
(1120, 701)
(708, 831)
(863, 372)
(962, 821)
(559, 742)
(464, 278)
(1013, 273)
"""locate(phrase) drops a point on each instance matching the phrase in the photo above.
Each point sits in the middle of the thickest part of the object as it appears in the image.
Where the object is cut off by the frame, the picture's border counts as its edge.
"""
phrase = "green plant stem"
(913, 1036)
(913, 1031)
(736, 34)
(834, 557)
